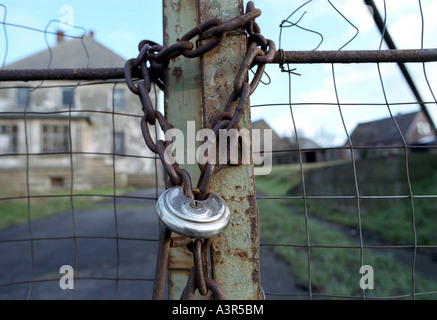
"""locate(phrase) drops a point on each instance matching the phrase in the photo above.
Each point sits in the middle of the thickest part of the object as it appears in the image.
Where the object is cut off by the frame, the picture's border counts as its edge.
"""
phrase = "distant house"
(377, 138)
(286, 150)
(61, 130)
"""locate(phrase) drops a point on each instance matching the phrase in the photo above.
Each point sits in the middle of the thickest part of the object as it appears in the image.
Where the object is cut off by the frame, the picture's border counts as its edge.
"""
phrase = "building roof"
(383, 131)
(75, 53)
(262, 125)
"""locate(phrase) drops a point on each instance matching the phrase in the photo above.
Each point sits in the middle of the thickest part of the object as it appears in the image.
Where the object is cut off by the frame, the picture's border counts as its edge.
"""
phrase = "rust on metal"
(161, 263)
(63, 74)
(179, 241)
(236, 250)
(235, 257)
(177, 73)
(293, 57)
(356, 56)
(182, 103)
(190, 288)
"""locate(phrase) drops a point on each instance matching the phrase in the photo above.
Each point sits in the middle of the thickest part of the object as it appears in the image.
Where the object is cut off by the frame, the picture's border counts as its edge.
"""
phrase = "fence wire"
(318, 198)
(319, 213)
(48, 166)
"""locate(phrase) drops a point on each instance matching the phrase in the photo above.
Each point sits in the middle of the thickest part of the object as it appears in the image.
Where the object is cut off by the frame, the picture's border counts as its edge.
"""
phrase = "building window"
(55, 139)
(119, 99)
(57, 182)
(8, 139)
(68, 98)
(118, 145)
(23, 97)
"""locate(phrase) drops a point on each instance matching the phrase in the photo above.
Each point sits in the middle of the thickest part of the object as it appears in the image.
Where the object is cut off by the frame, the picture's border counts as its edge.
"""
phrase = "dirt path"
(108, 244)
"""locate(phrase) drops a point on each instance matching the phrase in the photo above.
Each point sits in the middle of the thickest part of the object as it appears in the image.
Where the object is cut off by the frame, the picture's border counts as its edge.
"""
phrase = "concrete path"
(131, 258)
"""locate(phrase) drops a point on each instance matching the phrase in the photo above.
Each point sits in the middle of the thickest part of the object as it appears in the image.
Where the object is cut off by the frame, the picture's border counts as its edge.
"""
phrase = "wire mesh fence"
(351, 195)
(68, 154)
(333, 207)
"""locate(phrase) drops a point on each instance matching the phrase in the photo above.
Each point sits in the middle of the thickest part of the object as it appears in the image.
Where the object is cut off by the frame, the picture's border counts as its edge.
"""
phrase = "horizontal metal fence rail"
(281, 57)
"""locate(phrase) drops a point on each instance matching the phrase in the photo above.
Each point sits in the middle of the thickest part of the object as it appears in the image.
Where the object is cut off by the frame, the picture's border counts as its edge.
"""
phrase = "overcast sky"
(121, 24)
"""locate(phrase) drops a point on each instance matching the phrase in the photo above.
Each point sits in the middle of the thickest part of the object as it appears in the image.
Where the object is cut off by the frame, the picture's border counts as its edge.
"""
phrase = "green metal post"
(182, 103)
(235, 253)
(208, 82)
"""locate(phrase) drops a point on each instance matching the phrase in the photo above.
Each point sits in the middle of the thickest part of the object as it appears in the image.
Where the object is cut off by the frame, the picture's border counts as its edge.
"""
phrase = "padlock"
(196, 219)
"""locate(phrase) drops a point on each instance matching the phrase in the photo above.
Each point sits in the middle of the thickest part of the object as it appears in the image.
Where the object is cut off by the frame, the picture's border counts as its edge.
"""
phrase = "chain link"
(152, 62)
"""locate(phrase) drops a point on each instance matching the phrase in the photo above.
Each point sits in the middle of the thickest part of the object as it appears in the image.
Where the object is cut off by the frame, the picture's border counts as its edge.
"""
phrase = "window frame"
(71, 102)
(117, 147)
(114, 99)
(55, 138)
(11, 131)
(23, 93)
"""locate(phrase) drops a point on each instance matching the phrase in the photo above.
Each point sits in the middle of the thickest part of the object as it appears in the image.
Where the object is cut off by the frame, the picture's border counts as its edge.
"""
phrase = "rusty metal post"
(182, 103)
(235, 253)
(195, 90)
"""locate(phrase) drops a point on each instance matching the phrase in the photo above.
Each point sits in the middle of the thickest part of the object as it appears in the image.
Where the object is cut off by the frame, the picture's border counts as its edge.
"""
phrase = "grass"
(333, 271)
(284, 177)
(391, 219)
(332, 266)
(16, 210)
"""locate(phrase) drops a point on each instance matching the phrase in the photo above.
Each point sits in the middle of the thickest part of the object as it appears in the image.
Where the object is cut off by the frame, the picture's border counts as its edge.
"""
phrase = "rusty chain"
(151, 63)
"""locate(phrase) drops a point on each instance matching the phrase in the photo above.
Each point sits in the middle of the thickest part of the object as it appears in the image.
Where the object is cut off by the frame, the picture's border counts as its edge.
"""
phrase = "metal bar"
(235, 253)
(353, 56)
(62, 74)
(161, 263)
(295, 57)
(390, 43)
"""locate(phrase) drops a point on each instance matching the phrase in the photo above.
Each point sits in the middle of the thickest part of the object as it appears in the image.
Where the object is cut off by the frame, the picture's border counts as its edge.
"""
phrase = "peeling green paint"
(235, 253)
(183, 101)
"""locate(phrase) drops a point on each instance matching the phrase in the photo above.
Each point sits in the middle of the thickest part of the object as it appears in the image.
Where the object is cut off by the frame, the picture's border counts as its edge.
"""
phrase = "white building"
(39, 121)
